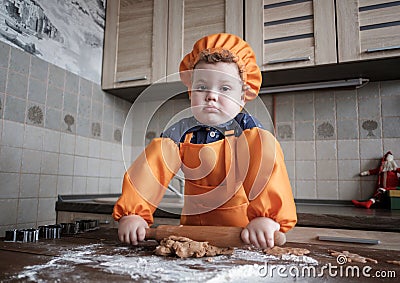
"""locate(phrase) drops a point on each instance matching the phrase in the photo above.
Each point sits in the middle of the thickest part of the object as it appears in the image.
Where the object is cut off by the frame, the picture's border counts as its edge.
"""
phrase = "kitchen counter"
(97, 256)
(332, 214)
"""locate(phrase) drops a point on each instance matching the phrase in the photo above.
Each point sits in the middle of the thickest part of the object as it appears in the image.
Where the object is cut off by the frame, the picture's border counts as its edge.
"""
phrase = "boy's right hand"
(132, 229)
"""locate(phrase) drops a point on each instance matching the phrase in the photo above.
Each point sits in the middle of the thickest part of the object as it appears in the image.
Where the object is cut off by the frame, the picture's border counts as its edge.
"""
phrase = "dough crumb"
(184, 247)
(278, 251)
(397, 262)
(351, 257)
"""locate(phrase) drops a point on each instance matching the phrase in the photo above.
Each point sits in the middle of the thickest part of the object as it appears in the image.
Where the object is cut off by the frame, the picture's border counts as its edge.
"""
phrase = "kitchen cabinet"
(291, 34)
(145, 40)
(135, 43)
(368, 29)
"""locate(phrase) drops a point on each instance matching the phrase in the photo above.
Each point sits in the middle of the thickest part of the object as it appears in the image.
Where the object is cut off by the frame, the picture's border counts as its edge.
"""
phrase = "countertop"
(97, 256)
(310, 213)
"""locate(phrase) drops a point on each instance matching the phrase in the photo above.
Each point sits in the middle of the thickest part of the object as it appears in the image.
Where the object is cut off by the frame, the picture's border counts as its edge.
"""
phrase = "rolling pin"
(220, 236)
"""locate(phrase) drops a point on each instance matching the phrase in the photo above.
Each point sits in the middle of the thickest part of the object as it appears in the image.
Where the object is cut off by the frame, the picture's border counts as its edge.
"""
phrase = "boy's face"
(217, 92)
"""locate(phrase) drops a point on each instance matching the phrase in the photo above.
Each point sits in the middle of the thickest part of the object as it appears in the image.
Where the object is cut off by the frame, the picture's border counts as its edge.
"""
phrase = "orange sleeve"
(146, 180)
(267, 183)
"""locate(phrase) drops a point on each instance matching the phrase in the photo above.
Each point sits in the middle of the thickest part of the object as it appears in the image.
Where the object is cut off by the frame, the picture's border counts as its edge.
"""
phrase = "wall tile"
(284, 112)
(3, 79)
(327, 170)
(9, 208)
(71, 83)
(67, 143)
(346, 104)
(325, 106)
(82, 146)
(9, 185)
(349, 169)
(1, 108)
(97, 111)
(390, 88)
(49, 163)
(4, 55)
(14, 109)
(70, 103)
(64, 185)
(369, 106)
(348, 149)
(306, 190)
(46, 209)
(370, 149)
(37, 91)
(326, 150)
(391, 127)
(56, 76)
(13, 134)
(92, 186)
(66, 164)
(94, 167)
(104, 186)
(54, 97)
(39, 69)
(68, 122)
(288, 149)
(98, 93)
(10, 159)
(371, 128)
(85, 88)
(84, 107)
(349, 190)
(305, 150)
(325, 130)
(19, 61)
(304, 111)
(79, 185)
(48, 186)
(327, 190)
(305, 170)
(369, 90)
(83, 127)
(393, 145)
(105, 168)
(51, 141)
(80, 166)
(347, 129)
(53, 119)
(17, 85)
(35, 114)
(31, 160)
(368, 189)
(27, 210)
(29, 186)
(304, 131)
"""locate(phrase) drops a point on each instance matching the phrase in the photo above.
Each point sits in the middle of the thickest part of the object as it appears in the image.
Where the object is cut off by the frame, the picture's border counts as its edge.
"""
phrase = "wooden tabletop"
(97, 256)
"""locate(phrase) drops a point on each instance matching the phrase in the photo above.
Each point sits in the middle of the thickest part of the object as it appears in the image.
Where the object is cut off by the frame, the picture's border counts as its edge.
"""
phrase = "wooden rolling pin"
(220, 236)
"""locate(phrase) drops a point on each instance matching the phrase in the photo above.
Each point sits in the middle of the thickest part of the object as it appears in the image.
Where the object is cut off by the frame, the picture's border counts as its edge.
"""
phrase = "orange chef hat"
(245, 59)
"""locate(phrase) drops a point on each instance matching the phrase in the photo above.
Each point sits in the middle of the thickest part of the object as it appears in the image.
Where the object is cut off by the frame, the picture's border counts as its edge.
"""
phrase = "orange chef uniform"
(231, 179)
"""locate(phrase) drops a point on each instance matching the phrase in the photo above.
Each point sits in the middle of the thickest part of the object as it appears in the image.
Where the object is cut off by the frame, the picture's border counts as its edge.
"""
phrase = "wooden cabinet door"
(190, 20)
(368, 29)
(289, 34)
(135, 43)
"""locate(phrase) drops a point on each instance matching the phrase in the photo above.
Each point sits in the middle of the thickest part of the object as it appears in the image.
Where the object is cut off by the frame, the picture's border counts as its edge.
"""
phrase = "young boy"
(234, 169)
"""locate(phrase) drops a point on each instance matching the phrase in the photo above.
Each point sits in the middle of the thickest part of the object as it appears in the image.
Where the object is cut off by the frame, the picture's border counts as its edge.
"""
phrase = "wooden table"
(97, 256)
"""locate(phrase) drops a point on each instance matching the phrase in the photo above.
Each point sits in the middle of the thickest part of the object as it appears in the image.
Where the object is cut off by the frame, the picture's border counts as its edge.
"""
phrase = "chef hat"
(218, 43)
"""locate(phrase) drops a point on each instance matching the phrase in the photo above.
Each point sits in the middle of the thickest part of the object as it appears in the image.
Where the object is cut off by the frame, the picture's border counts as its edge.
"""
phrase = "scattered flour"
(138, 265)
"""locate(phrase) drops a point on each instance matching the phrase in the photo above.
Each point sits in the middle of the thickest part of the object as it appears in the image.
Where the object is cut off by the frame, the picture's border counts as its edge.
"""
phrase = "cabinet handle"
(142, 78)
(288, 60)
(382, 49)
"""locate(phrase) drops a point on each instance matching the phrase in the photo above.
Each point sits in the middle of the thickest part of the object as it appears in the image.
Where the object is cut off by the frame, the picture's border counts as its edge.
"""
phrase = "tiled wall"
(59, 134)
(329, 137)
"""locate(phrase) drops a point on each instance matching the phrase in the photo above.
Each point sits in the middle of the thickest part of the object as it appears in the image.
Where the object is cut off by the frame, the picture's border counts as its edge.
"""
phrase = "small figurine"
(388, 179)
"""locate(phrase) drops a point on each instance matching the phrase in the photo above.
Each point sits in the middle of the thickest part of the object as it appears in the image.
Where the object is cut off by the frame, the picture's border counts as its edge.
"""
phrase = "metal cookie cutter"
(27, 235)
(50, 231)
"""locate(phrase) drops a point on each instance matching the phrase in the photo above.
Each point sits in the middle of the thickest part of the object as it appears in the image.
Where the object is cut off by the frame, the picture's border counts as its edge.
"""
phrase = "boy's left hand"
(260, 232)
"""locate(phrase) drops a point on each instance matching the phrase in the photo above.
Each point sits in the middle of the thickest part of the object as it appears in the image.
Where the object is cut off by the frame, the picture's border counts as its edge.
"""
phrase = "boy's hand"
(260, 232)
(132, 229)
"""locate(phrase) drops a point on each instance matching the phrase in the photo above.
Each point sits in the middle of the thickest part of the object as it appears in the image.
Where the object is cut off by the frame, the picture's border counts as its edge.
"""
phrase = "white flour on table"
(135, 263)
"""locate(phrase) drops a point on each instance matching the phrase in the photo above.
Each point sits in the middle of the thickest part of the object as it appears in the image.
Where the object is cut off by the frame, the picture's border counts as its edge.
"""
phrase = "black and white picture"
(66, 33)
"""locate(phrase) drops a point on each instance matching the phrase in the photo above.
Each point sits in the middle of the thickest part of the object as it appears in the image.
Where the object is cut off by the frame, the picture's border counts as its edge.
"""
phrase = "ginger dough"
(184, 247)
(351, 257)
(278, 251)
